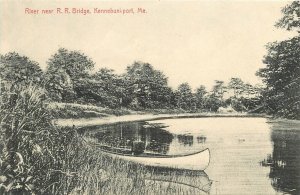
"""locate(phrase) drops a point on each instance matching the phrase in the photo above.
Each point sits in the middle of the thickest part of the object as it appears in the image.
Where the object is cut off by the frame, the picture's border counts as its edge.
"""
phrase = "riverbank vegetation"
(282, 72)
(39, 157)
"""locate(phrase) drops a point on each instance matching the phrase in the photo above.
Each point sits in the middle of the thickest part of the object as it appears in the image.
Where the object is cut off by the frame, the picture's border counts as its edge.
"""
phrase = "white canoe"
(195, 161)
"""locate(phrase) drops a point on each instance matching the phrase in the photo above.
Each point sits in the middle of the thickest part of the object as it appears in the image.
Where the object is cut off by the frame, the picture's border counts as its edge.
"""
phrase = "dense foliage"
(19, 70)
(291, 17)
(67, 75)
(282, 72)
(69, 79)
(147, 87)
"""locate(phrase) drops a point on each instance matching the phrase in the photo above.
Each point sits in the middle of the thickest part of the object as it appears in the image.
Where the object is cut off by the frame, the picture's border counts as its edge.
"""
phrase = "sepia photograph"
(157, 97)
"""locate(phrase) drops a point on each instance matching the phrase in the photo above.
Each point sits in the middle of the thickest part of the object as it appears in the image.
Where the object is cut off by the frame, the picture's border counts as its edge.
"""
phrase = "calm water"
(248, 155)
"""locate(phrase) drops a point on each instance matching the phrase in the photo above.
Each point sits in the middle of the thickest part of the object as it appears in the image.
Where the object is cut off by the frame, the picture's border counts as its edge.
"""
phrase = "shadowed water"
(248, 155)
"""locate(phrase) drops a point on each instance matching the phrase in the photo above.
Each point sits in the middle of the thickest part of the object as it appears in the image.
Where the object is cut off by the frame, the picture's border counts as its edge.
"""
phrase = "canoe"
(195, 161)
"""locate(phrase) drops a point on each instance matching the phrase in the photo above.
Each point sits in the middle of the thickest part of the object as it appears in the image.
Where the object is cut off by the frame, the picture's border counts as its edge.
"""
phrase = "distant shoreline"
(95, 121)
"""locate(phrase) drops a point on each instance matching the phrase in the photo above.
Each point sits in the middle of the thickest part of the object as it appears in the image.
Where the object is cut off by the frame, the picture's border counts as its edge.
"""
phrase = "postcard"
(150, 97)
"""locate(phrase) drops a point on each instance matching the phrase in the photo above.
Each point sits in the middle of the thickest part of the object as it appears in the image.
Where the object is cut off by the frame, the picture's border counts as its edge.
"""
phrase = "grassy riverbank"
(101, 174)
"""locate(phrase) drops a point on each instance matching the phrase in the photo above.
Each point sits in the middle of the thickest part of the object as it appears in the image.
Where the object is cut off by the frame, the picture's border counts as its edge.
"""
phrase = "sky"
(194, 41)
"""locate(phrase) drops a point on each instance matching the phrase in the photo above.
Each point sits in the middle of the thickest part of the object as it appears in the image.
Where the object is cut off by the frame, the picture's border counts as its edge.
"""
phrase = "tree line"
(69, 78)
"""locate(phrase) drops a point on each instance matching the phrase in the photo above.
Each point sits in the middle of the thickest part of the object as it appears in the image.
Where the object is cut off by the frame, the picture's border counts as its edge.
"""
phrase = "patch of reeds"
(35, 156)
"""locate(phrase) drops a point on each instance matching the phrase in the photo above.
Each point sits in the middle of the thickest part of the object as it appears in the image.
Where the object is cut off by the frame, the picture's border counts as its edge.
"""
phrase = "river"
(248, 155)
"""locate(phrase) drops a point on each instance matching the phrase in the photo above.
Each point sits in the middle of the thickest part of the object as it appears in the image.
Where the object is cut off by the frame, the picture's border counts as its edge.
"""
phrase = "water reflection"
(201, 139)
(186, 178)
(237, 146)
(186, 139)
(284, 162)
(155, 139)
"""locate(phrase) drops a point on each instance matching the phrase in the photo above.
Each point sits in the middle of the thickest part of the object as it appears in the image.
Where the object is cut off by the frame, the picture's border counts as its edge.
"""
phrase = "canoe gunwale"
(151, 155)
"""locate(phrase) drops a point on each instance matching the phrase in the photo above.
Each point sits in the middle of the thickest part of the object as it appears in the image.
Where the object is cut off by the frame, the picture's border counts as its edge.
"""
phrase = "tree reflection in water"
(122, 135)
(185, 139)
(155, 138)
(285, 161)
(201, 139)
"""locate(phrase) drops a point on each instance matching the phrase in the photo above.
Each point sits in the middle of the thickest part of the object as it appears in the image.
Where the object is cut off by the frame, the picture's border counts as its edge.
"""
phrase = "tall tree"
(148, 87)
(66, 74)
(219, 89)
(282, 72)
(215, 99)
(184, 97)
(212, 102)
(200, 96)
(108, 87)
(237, 85)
